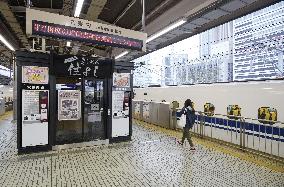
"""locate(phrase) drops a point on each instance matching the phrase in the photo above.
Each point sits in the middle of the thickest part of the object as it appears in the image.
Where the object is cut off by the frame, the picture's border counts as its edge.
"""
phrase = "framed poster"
(121, 79)
(34, 75)
(35, 117)
(69, 105)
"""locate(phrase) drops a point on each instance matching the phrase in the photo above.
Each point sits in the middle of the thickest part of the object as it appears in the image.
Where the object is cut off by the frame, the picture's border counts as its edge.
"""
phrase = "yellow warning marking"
(6, 115)
(256, 159)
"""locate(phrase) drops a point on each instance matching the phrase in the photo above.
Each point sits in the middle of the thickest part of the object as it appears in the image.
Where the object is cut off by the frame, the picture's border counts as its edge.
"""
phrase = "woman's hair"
(187, 103)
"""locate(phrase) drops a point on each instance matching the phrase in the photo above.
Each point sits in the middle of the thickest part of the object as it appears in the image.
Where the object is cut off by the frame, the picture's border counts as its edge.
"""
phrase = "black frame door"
(98, 128)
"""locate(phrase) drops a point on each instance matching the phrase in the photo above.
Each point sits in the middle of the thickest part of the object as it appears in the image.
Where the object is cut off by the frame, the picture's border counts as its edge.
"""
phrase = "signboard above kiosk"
(39, 23)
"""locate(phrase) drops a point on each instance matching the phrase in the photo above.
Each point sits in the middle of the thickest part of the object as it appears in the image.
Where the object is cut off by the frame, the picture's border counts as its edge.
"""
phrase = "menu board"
(34, 117)
(117, 101)
(69, 105)
(121, 79)
(35, 106)
(34, 75)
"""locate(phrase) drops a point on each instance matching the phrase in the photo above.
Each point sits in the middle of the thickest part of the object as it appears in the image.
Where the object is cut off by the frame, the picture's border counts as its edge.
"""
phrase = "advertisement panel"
(121, 80)
(69, 105)
(34, 75)
(35, 117)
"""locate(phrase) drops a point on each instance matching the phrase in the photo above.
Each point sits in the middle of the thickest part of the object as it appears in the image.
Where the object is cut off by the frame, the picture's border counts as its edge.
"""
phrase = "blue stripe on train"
(249, 133)
(258, 128)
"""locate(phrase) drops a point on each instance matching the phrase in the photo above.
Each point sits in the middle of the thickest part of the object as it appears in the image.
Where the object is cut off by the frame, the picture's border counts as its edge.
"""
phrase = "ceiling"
(200, 15)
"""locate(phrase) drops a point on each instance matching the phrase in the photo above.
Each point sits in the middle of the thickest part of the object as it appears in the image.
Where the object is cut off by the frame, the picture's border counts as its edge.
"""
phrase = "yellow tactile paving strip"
(6, 116)
(250, 157)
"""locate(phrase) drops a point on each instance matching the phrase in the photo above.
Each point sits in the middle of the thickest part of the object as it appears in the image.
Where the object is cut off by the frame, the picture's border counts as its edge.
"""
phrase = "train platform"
(152, 158)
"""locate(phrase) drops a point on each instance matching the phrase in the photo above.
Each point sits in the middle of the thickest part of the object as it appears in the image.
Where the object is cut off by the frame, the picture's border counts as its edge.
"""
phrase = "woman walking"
(189, 112)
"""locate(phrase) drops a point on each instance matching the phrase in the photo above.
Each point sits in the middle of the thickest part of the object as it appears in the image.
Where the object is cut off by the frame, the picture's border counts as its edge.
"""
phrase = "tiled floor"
(151, 159)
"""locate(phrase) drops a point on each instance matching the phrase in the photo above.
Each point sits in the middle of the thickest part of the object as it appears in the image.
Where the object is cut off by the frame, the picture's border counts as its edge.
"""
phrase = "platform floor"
(151, 159)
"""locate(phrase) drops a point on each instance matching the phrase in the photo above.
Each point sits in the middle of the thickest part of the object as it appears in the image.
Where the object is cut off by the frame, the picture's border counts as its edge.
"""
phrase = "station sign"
(39, 23)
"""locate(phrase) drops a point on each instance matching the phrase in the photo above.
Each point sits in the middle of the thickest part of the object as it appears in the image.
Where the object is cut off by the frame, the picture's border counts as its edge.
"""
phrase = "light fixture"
(121, 54)
(2, 39)
(78, 9)
(165, 30)
(68, 44)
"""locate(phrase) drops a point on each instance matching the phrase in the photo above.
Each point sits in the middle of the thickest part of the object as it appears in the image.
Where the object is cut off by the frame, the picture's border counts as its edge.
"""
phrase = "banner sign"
(82, 66)
(34, 75)
(39, 23)
(69, 105)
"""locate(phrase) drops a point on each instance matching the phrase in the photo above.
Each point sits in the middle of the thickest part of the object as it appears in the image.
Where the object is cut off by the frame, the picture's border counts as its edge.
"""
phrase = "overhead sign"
(39, 23)
(68, 65)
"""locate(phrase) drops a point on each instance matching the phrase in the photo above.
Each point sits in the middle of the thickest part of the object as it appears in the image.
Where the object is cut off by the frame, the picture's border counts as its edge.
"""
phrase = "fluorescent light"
(68, 44)
(165, 30)
(78, 9)
(121, 54)
(2, 39)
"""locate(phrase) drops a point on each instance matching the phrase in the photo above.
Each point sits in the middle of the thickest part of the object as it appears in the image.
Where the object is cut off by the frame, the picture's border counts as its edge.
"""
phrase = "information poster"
(117, 100)
(95, 117)
(34, 75)
(121, 79)
(35, 106)
(69, 105)
(34, 117)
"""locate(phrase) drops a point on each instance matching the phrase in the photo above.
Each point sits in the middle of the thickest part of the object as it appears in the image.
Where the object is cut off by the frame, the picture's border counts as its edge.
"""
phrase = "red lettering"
(50, 29)
(36, 26)
(57, 30)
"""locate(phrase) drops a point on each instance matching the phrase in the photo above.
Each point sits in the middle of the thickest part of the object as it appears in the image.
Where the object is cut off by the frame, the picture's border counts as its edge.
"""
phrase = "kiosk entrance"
(92, 123)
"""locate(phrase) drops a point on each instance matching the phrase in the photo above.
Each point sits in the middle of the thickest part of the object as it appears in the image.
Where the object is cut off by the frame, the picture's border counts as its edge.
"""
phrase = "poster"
(121, 79)
(35, 106)
(94, 117)
(34, 75)
(117, 100)
(34, 117)
(117, 104)
(69, 105)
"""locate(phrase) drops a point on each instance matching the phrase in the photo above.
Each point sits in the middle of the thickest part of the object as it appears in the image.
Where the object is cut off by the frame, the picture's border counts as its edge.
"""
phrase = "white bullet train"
(252, 100)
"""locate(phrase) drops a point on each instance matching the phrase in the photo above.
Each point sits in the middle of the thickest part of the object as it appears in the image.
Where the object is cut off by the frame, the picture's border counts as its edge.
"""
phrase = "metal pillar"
(143, 15)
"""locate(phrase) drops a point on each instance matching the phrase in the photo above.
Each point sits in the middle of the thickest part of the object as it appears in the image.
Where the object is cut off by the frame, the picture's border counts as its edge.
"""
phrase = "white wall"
(249, 96)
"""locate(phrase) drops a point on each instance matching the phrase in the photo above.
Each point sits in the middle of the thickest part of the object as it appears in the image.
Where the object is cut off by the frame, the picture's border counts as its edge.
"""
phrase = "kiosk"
(71, 100)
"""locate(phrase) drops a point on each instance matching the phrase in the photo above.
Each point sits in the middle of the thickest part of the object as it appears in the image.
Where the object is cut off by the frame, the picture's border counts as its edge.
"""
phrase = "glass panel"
(68, 131)
(247, 48)
(94, 121)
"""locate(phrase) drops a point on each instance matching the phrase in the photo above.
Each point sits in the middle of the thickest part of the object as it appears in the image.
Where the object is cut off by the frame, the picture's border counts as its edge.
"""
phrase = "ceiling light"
(165, 30)
(2, 39)
(121, 54)
(78, 9)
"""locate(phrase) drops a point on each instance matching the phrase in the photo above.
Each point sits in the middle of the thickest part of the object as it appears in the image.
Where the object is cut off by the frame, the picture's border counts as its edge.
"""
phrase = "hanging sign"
(82, 66)
(34, 75)
(39, 23)
(69, 105)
